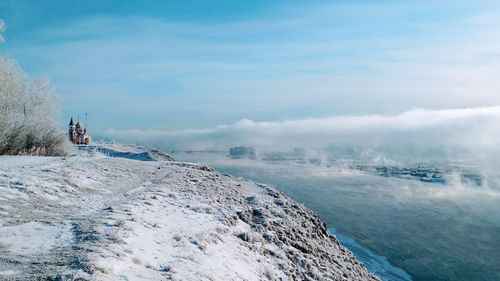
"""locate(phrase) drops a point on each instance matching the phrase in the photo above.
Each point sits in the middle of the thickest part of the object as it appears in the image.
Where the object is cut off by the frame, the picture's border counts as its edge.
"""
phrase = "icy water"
(401, 229)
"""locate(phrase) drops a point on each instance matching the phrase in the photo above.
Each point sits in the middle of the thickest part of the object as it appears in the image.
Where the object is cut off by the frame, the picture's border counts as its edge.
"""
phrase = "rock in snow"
(102, 218)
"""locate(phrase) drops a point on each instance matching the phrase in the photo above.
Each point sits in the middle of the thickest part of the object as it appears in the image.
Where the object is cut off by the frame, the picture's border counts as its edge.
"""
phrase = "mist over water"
(413, 135)
(433, 231)
(421, 188)
(438, 136)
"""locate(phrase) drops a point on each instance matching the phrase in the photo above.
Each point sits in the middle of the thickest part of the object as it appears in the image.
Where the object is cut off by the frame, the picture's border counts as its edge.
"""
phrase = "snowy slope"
(103, 218)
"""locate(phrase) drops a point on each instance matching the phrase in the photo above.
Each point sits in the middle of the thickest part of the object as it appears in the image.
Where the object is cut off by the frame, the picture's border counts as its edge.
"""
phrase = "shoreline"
(378, 264)
(218, 226)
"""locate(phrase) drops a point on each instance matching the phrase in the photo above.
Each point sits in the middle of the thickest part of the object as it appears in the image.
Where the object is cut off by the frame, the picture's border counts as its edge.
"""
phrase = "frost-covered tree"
(28, 114)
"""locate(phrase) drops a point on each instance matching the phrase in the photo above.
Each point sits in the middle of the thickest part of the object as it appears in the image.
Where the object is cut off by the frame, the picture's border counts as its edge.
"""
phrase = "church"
(77, 133)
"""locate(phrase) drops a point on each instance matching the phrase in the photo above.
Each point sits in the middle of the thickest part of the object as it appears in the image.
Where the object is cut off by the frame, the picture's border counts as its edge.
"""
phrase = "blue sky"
(172, 65)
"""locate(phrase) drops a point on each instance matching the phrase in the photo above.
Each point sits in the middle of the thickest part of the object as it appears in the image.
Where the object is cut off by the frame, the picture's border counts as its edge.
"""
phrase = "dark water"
(430, 231)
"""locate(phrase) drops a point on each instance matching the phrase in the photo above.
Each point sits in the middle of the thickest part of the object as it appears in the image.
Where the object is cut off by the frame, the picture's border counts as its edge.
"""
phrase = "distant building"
(77, 133)
(299, 152)
(242, 152)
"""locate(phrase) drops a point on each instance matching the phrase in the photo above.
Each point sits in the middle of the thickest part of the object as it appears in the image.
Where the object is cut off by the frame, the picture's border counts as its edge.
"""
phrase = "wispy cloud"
(295, 62)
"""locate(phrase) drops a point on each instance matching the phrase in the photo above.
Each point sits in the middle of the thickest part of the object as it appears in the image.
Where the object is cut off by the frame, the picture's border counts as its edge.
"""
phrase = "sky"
(163, 68)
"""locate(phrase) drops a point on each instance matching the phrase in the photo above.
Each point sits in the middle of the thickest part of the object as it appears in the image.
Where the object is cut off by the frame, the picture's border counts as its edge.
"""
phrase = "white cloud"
(473, 132)
(345, 58)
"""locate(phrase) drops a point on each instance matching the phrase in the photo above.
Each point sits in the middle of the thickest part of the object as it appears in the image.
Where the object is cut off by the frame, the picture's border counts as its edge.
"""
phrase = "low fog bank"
(412, 136)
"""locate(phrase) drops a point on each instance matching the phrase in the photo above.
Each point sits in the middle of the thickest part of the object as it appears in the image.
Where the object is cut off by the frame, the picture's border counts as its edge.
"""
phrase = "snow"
(41, 237)
(108, 218)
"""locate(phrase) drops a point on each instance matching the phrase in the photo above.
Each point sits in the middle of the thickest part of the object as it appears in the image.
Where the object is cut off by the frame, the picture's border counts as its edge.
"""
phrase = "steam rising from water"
(432, 231)
(416, 135)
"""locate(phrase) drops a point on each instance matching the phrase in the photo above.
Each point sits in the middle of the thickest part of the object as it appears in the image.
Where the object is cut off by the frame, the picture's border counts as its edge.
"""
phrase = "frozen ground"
(104, 218)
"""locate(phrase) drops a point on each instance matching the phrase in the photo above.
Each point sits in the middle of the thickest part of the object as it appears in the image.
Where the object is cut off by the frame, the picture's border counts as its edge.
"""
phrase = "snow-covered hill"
(104, 218)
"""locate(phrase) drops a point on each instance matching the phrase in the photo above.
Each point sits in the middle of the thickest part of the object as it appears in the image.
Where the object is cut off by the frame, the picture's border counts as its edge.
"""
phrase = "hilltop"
(108, 218)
